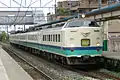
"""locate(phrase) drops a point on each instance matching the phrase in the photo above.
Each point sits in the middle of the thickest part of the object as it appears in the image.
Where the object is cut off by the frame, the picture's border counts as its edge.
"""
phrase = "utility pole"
(40, 3)
(100, 4)
(55, 9)
(10, 3)
(105, 29)
(25, 3)
(89, 4)
(55, 6)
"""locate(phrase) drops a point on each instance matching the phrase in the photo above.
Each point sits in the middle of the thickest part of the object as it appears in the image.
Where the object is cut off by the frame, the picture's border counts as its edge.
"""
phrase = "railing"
(114, 44)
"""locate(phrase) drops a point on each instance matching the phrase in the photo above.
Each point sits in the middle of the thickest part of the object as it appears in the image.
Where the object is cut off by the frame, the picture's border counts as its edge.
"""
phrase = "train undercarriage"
(71, 61)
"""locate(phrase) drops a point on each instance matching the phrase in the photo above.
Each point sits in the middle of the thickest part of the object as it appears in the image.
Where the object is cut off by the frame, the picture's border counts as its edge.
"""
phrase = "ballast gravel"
(57, 72)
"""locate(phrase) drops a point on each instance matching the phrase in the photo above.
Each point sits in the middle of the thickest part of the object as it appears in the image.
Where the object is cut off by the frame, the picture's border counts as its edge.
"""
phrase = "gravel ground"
(57, 72)
(30, 70)
(117, 74)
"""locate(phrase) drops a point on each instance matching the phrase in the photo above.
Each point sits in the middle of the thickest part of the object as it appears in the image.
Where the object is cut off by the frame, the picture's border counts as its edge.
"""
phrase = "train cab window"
(59, 25)
(93, 24)
(81, 23)
(50, 26)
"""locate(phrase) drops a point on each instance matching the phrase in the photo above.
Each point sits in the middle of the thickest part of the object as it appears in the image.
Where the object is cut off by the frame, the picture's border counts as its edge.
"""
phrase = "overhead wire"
(26, 11)
(18, 3)
(28, 8)
(17, 14)
(4, 4)
(47, 3)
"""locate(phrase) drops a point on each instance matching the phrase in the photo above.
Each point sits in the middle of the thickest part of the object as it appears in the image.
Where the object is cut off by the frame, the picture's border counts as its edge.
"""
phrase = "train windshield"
(82, 23)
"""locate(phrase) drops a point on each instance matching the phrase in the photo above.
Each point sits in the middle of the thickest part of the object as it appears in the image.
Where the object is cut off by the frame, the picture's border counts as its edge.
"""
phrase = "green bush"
(4, 37)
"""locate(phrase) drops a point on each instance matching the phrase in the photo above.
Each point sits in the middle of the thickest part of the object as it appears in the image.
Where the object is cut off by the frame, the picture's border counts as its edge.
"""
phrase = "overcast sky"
(34, 3)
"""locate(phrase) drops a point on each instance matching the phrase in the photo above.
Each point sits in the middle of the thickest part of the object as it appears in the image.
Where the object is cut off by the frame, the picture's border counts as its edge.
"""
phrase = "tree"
(63, 12)
(4, 36)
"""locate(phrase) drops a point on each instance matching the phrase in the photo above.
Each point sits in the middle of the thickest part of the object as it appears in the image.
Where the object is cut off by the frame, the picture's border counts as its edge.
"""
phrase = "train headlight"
(83, 15)
(98, 44)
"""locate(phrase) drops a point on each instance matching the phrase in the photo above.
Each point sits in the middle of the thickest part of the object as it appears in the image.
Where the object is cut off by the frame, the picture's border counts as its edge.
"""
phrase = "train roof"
(57, 21)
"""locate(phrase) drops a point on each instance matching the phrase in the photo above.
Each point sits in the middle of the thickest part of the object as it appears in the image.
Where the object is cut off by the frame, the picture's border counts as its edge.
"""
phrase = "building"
(38, 17)
(81, 6)
(50, 17)
(73, 7)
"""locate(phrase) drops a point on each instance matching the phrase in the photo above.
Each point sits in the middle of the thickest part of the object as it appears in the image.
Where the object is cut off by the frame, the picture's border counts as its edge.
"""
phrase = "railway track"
(96, 75)
(34, 69)
(102, 75)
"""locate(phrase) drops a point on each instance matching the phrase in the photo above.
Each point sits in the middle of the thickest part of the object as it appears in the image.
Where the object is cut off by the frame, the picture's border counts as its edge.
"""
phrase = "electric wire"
(18, 3)
(17, 14)
(4, 4)
(25, 12)
(47, 3)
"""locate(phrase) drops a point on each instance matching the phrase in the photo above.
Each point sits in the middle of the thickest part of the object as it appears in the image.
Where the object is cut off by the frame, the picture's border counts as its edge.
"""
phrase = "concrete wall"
(114, 26)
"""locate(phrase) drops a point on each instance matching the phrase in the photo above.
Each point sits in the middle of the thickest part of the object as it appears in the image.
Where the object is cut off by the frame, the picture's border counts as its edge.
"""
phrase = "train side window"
(58, 37)
(46, 37)
(54, 37)
(51, 38)
(43, 37)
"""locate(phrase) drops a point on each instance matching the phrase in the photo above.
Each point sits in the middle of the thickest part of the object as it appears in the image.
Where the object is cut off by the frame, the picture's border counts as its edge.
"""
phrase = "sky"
(29, 3)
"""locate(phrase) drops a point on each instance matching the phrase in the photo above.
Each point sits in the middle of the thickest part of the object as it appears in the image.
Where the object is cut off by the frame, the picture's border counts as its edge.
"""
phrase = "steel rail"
(93, 74)
(41, 72)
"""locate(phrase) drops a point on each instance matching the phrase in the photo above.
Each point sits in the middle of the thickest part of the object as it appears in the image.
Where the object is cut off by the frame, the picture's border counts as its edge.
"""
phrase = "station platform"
(9, 69)
(112, 55)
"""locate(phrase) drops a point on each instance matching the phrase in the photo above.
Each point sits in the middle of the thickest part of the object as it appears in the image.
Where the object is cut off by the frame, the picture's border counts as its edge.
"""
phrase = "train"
(71, 42)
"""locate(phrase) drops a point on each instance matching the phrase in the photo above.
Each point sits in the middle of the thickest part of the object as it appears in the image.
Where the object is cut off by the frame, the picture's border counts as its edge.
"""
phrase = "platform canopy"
(16, 18)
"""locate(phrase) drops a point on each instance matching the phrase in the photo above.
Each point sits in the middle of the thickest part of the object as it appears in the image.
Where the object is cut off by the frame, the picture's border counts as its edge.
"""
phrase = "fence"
(114, 44)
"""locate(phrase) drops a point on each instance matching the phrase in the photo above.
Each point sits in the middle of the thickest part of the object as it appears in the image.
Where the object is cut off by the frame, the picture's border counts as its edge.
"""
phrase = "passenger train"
(71, 42)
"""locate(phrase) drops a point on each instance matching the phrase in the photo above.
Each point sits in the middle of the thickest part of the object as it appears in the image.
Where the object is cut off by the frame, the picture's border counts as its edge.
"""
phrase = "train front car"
(82, 41)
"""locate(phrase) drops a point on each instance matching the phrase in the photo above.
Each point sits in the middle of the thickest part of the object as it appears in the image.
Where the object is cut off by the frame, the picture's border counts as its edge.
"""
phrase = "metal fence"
(114, 44)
